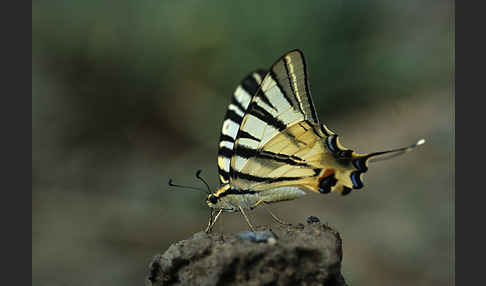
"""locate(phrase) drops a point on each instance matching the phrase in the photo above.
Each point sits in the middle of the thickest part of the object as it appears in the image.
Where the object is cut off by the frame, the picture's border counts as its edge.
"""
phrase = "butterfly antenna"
(394, 152)
(185, 187)
(198, 175)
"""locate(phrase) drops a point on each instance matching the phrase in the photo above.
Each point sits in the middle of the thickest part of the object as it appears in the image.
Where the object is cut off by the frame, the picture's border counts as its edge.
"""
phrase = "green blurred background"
(126, 94)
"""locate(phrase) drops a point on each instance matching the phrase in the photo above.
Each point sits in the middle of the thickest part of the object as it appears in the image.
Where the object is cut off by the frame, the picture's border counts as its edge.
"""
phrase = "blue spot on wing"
(360, 164)
(331, 143)
(357, 184)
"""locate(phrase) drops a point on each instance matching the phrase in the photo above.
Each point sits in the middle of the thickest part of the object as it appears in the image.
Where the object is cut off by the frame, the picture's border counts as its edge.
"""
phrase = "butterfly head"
(212, 200)
(218, 201)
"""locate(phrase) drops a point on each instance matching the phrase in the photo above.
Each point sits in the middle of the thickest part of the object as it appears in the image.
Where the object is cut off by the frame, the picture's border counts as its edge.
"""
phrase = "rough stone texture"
(307, 254)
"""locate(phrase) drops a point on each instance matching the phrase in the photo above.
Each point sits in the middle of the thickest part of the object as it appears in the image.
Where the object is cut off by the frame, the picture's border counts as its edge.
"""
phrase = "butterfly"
(273, 148)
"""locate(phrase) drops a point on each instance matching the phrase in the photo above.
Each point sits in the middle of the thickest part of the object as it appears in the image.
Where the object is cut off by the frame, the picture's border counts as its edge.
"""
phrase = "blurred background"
(127, 94)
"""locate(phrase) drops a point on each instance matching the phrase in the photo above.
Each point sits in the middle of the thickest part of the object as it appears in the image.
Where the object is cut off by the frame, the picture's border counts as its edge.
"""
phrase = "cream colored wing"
(282, 100)
(307, 163)
(240, 101)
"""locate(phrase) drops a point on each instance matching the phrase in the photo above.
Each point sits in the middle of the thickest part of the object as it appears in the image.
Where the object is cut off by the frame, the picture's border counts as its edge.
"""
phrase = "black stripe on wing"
(259, 179)
(307, 91)
(234, 116)
(251, 86)
(223, 137)
(245, 152)
(244, 134)
(225, 152)
(269, 180)
(225, 175)
(286, 65)
(280, 88)
(290, 73)
(262, 114)
(236, 103)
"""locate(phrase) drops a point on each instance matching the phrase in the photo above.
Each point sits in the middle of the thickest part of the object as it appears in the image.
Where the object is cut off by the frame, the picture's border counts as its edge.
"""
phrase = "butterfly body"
(231, 199)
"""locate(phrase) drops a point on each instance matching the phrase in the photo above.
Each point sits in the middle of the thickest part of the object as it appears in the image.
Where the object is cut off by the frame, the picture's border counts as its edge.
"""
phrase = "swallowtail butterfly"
(273, 148)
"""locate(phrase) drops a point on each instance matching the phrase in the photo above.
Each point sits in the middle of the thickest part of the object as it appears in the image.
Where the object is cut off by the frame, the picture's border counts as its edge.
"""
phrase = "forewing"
(290, 75)
(240, 101)
(283, 100)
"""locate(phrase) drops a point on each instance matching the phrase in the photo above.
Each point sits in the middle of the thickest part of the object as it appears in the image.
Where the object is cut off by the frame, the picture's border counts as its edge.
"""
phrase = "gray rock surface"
(307, 254)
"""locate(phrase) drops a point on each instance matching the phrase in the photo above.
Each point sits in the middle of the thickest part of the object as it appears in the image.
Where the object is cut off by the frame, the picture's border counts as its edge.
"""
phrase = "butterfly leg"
(210, 219)
(246, 218)
(211, 224)
(271, 214)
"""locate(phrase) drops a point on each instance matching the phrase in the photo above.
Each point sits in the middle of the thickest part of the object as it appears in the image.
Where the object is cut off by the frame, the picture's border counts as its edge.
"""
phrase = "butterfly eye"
(213, 199)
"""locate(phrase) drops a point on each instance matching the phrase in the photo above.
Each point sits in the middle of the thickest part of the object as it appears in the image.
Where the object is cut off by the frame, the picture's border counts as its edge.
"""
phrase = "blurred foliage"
(126, 93)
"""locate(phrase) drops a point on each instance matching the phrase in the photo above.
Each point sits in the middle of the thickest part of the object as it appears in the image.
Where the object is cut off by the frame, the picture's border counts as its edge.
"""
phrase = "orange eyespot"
(326, 181)
(328, 172)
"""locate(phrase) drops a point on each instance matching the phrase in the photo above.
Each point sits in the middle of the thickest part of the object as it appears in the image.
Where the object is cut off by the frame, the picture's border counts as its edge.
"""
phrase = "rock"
(308, 254)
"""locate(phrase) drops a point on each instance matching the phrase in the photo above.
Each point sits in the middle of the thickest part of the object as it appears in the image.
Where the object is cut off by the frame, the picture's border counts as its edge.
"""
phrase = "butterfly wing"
(282, 100)
(240, 101)
(280, 142)
(288, 79)
(307, 163)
